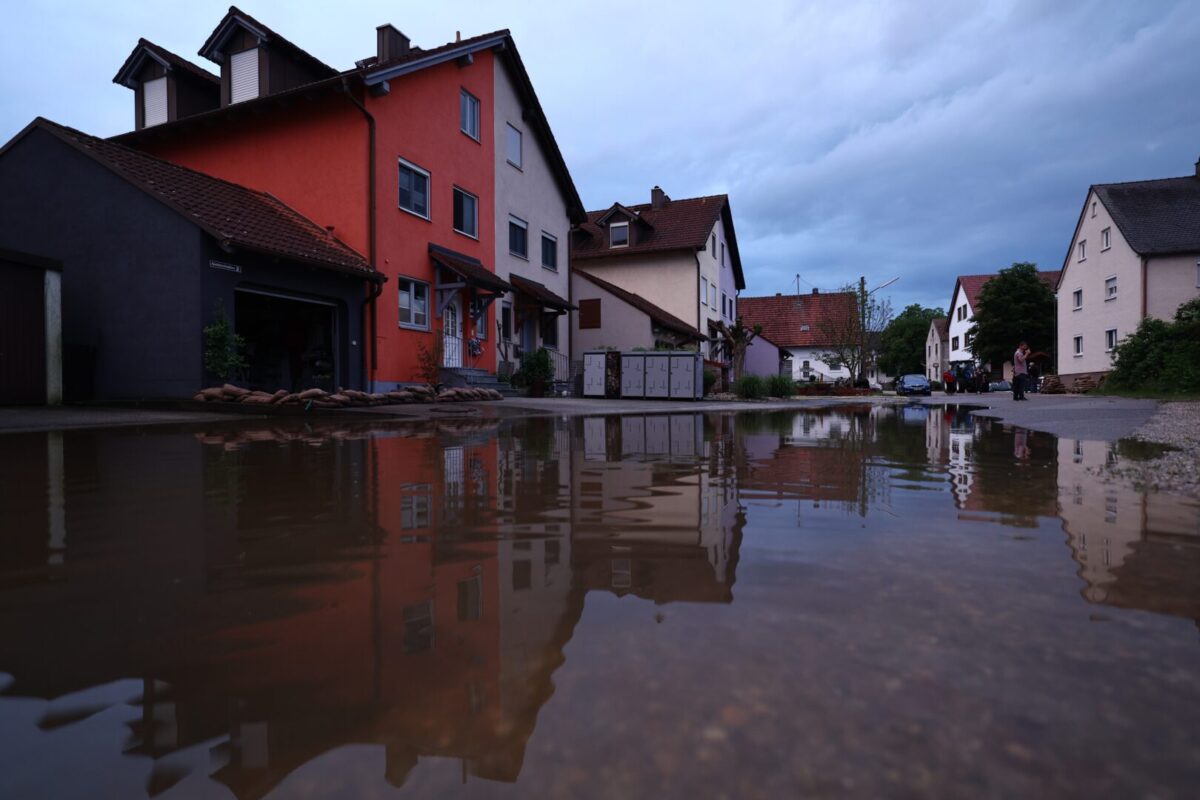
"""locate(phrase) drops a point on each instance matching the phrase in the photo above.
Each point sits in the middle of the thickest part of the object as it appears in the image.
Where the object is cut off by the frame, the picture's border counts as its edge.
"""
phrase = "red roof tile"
(231, 214)
(790, 320)
(662, 318)
(973, 284)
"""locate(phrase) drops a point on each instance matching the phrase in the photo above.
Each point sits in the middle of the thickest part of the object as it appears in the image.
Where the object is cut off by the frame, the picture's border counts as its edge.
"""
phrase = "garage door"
(22, 334)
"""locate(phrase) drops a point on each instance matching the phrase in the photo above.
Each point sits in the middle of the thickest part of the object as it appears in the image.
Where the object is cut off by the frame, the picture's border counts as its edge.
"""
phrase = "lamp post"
(863, 295)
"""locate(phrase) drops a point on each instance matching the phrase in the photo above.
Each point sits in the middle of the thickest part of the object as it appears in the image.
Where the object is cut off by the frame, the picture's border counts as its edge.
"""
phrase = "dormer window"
(154, 102)
(243, 75)
(618, 234)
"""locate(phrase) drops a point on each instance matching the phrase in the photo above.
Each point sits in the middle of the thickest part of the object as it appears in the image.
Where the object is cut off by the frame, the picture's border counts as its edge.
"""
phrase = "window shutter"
(243, 76)
(154, 101)
(589, 314)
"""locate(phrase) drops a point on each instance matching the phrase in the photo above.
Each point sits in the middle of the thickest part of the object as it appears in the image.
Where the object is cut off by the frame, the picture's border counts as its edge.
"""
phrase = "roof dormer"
(255, 61)
(165, 86)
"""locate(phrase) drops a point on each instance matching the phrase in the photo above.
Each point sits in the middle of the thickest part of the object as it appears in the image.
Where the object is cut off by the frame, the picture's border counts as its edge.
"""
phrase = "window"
(1110, 340)
(954, 343)
(518, 237)
(1093, 208)
(1110, 288)
(1198, 274)
(522, 575)
(724, 305)
(468, 114)
(962, 312)
(1077, 299)
(722, 254)
(470, 599)
(1106, 238)
(414, 304)
(1082, 247)
(479, 315)
(243, 76)
(415, 511)
(553, 548)
(466, 213)
(549, 251)
(589, 314)
(512, 145)
(506, 327)
(618, 234)
(713, 245)
(418, 628)
(550, 331)
(414, 189)
(1078, 345)
(154, 102)
(804, 327)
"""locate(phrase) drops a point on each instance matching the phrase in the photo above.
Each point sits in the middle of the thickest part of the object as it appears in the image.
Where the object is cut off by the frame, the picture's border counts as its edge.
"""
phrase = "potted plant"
(536, 372)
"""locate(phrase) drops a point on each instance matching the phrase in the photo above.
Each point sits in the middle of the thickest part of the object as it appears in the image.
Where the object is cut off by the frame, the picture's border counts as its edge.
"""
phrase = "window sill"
(414, 214)
(1114, 297)
(1105, 249)
(410, 327)
(617, 246)
(549, 268)
(1077, 308)
(517, 167)
(518, 255)
(1078, 355)
(464, 233)
(474, 139)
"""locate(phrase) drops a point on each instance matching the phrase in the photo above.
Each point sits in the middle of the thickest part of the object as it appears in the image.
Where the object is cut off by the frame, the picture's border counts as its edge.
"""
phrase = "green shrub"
(710, 380)
(224, 348)
(780, 386)
(750, 387)
(536, 372)
(1161, 356)
(935, 386)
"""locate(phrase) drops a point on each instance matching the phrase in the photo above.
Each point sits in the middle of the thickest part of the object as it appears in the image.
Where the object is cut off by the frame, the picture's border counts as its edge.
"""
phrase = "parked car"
(913, 384)
(999, 386)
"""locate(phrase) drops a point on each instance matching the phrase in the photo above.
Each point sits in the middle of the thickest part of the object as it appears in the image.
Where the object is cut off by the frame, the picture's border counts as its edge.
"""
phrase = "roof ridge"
(624, 293)
(672, 201)
(1143, 180)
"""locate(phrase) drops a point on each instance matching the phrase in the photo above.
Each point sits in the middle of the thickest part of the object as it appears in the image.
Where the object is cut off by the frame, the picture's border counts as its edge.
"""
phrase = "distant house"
(963, 302)
(611, 317)
(149, 249)
(679, 255)
(937, 348)
(1135, 253)
(798, 326)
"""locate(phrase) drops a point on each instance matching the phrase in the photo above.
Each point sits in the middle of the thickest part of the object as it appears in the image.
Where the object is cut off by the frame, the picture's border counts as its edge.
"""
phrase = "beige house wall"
(530, 194)
(1171, 281)
(936, 354)
(668, 280)
(622, 327)
(1089, 274)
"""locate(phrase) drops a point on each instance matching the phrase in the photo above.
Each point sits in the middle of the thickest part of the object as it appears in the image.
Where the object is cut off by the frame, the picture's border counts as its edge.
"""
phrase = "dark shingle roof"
(942, 326)
(231, 214)
(1156, 217)
(539, 292)
(133, 62)
(468, 268)
(790, 320)
(660, 317)
(678, 225)
(236, 15)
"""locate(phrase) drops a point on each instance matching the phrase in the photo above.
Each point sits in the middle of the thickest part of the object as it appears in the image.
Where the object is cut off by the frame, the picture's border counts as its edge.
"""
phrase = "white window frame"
(406, 164)
(475, 198)
(520, 162)
(1077, 344)
(520, 223)
(1110, 341)
(1077, 299)
(552, 238)
(1093, 208)
(469, 102)
(1105, 239)
(703, 291)
(413, 283)
(1110, 295)
(1081, 248)
(613, 226)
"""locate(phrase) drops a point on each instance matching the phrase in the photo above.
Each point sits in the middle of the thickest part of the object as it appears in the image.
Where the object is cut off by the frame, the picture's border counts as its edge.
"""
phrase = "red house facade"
(398, 157)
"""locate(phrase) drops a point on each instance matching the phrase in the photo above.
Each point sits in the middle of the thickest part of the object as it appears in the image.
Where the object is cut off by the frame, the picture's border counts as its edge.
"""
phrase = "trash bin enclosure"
(674, 375)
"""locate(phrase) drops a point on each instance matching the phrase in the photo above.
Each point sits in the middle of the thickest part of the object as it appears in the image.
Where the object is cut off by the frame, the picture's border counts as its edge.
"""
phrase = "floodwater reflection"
(862, 601)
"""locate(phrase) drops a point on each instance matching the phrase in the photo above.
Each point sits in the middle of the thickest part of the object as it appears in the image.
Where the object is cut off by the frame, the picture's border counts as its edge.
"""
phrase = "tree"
(902, 345)
(736, 340)
(1014, 307)
(848, 336)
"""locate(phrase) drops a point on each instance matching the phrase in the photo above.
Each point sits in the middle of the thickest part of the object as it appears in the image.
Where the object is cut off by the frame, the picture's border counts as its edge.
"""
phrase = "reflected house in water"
(1136, 549)
(285, 592)
(656, 507)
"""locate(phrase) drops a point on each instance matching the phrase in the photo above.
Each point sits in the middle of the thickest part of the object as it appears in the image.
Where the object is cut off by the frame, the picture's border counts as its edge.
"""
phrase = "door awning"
(471, 270)
(543, 296)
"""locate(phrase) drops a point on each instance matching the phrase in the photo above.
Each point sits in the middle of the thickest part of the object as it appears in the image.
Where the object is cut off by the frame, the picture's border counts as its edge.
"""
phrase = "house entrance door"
(451, 336)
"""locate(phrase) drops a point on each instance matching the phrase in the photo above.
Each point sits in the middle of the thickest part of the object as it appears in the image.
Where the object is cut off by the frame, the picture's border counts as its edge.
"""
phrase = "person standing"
(1020, 371)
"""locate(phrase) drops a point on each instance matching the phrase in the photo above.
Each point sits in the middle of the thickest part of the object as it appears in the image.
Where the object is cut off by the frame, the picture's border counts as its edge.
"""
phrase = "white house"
(798, 325)
(963, 302)
(1135, 253)
(937, 348)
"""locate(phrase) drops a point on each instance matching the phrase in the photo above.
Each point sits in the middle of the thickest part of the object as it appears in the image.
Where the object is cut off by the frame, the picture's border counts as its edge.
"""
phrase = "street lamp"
(863, 294)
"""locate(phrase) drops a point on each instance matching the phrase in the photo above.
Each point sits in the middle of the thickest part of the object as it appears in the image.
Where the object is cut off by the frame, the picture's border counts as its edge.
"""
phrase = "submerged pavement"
(1070, 416)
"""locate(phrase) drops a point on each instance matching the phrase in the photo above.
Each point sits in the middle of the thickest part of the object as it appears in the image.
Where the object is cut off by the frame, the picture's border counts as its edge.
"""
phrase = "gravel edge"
(1176, 425)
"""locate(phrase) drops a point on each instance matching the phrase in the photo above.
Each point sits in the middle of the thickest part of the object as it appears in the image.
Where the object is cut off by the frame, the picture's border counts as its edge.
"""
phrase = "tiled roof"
(678, 225)
(469, 269)
(124, 74)
(660, 317)
(416, 53)
(234, 14)
(233, 215)
(942, 326)
(1156, 217)
(539, 292)
(972, 285)
(791, 320)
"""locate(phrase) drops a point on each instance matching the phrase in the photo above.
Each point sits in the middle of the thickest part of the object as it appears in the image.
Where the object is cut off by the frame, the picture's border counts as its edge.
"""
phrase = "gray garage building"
(149, 251)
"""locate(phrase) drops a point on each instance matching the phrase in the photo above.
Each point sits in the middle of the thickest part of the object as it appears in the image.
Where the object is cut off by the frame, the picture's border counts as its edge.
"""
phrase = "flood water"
(862, 602)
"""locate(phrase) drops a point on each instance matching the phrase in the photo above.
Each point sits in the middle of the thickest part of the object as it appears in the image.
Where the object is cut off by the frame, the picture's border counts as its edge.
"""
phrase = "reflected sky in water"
(864, 601)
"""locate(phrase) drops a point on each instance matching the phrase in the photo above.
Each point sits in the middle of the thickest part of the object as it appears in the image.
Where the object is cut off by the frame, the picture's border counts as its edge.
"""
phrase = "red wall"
(419, 122)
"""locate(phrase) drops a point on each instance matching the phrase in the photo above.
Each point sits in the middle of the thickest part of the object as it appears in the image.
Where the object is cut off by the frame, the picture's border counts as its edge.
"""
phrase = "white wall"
(622, 326)
(813, 356)
(668, 280)
(959, 328)
(1170, 282)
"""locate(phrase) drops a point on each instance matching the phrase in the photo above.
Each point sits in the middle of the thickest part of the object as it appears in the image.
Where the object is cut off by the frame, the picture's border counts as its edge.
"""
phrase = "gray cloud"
(921, 139)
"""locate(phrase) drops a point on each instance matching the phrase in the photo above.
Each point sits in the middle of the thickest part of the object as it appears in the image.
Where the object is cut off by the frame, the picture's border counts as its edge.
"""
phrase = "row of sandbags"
(342, 398)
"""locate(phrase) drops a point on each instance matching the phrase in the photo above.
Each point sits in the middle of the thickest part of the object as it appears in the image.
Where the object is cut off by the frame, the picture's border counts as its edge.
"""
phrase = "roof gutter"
(417, 64)
(370, 325)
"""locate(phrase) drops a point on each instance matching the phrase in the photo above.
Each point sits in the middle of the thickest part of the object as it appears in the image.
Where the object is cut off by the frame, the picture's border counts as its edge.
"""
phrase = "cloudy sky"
(918, 139)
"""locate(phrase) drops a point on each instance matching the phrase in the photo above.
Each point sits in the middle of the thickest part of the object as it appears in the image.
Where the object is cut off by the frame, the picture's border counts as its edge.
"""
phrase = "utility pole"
(862, 327)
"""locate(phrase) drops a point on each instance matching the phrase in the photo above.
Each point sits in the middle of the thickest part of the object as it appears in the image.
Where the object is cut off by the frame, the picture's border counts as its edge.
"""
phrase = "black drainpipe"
(377, 288)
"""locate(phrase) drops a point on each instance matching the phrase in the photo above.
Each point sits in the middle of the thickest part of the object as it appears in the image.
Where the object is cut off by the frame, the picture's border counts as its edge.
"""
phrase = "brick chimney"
(658, 198)
(390, 43)
(816, 290)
